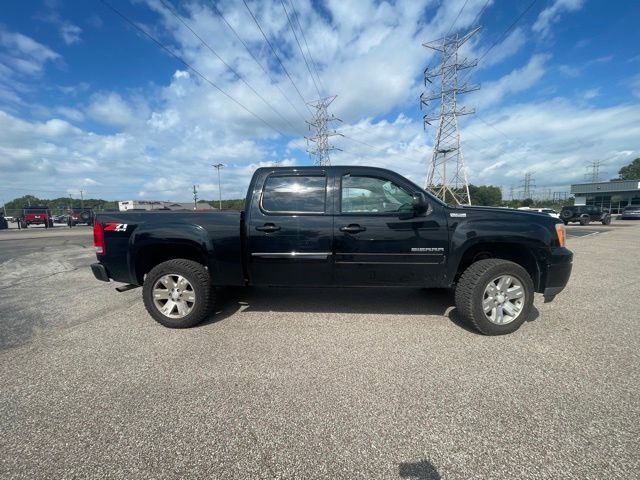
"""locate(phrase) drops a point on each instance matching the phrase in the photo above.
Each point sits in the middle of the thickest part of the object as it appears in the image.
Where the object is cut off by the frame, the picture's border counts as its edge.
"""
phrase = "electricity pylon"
(528, 184)
(447, 177)
(318, 144)
(593, 171)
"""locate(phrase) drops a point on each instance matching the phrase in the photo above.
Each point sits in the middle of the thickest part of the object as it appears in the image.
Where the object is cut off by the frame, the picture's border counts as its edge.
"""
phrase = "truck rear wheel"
(495, 296)
(178, 294)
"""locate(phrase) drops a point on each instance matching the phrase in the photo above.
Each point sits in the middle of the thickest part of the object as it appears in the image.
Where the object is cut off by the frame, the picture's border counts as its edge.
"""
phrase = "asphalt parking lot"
(329, 383)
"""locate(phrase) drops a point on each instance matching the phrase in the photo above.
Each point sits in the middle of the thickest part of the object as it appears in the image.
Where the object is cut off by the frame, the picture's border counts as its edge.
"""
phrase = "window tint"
(294, 194)
(372, 195)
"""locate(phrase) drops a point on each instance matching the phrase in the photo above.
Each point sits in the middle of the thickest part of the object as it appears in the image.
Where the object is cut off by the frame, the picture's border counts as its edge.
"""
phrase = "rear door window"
(294, 194)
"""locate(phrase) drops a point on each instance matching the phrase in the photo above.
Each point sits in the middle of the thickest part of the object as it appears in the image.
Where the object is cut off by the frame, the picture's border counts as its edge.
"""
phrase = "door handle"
(268, 228)
(352, 228)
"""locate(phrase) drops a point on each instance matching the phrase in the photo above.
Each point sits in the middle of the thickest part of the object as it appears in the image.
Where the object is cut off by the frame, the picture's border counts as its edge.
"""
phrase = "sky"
(88, 101)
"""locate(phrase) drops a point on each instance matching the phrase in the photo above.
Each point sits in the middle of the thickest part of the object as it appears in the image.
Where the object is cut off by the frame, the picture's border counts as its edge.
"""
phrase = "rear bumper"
(558, 271)
(100, 272)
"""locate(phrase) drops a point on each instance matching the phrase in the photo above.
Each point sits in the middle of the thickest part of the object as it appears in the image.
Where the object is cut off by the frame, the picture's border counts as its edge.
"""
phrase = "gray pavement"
(293, 383)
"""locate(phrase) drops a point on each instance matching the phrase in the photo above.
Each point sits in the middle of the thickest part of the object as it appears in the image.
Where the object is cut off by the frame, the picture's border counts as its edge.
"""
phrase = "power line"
(266, 72)
(509, 28)
(197, 72)
(240, 77)
(480, 13)
(275, 54)
(295, 35)
(504, 33)
(457, 16)
(361, 142)
(304, 38)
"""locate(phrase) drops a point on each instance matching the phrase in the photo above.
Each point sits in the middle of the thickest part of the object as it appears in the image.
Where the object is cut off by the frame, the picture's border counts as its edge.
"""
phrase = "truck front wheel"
(178, 294)
(495, 296)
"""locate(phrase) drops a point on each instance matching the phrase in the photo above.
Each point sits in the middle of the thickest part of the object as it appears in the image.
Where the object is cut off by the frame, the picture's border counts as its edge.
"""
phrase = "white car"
(548, 211)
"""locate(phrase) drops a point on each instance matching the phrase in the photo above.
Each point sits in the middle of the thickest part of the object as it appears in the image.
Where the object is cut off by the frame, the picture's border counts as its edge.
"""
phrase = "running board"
(124, 288)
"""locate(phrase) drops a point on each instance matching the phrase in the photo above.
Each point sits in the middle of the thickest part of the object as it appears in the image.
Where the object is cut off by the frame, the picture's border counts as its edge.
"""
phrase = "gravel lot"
(292, 383)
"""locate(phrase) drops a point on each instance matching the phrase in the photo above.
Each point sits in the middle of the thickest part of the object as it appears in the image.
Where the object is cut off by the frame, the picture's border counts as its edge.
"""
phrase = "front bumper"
(100, 272)
(558, 271)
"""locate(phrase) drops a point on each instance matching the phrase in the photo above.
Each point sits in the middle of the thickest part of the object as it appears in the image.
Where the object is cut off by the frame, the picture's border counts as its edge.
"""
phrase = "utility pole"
(320, 122)
(195, 196)
(218, 166)
(511, 193)
(528, 184)
(593, 171)
(81, 200)
(447, 178)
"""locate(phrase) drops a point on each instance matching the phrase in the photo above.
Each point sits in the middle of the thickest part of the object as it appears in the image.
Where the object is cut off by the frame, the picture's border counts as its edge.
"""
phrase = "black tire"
(197, 275)
(566, 214)
(566, 223)
(584, 220)
(470, 291)
(606, 220)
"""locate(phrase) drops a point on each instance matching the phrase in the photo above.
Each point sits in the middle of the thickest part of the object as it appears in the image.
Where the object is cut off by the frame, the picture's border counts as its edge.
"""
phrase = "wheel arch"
(519, 253)
(150, 255)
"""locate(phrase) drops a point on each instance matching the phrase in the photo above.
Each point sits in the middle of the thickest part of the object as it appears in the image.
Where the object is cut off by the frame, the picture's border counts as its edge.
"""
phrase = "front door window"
(367, 195)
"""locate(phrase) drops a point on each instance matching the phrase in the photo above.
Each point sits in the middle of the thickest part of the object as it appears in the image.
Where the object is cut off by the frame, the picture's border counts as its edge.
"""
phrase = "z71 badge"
(115, 227)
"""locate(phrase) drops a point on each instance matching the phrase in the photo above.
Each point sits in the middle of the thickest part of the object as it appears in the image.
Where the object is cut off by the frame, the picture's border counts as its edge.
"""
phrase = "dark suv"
(585, 214)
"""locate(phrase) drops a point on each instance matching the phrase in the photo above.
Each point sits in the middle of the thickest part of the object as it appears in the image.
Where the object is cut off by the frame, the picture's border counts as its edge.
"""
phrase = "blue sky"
(87, 102)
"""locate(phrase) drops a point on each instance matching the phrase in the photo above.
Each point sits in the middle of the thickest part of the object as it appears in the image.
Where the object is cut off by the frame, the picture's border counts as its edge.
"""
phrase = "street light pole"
(218, 166)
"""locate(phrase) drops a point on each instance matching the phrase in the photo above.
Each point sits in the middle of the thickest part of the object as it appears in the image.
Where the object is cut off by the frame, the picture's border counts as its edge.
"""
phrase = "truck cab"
(343, 226)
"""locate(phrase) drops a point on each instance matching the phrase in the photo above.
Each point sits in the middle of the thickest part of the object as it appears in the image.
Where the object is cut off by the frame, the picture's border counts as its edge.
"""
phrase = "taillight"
(98, 238)
(562, 235)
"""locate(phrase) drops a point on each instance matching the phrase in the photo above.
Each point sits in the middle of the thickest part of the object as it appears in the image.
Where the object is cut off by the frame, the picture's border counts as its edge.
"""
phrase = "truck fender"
(174, 237)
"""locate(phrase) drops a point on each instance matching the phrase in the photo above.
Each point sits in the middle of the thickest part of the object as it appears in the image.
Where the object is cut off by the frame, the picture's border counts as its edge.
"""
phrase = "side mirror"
(419, 202)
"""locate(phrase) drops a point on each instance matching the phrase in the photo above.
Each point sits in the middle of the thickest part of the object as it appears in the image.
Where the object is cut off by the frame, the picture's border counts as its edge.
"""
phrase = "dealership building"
(613, 195)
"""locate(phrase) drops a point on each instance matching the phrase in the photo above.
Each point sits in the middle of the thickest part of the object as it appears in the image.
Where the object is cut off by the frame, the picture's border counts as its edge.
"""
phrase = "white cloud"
(70, 113)
(70, 33)
(556, 139)
(552, 14)
(517, 81)
(110, 109)
(24, 54)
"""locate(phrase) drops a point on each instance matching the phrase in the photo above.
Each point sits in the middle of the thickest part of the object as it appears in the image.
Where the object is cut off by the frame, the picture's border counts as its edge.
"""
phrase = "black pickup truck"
(337, 226)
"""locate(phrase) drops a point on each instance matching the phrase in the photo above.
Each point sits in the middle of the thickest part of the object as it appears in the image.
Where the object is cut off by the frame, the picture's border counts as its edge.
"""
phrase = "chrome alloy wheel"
(503, 300)
(173, 296)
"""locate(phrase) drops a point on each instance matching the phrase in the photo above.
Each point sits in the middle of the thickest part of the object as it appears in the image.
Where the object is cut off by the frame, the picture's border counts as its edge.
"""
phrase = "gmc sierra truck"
(337, 226)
